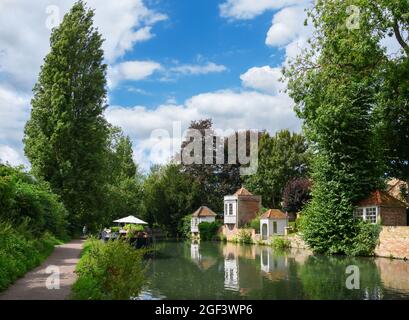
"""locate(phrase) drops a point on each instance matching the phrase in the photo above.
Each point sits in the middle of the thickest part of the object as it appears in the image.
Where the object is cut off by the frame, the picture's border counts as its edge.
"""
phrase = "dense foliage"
(281, 157)
(208, 230)
(20, 251)
(24, 200)
(66, 136)
(169, 195)
(334, 85)
(109, 271)
(297, 192)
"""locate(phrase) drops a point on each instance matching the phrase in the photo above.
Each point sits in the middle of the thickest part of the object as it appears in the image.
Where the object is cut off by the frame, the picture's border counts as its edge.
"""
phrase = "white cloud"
(248, 9)
(14, 112)
(228, 109)
(11, 156)
(131, 70)
(24, 36)
(287, 25)
(195, 69)
(265, 79)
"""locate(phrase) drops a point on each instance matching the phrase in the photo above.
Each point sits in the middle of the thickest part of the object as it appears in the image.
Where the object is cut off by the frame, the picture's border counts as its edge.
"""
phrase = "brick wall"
(393, 216)
(247, 209)
(393, 242)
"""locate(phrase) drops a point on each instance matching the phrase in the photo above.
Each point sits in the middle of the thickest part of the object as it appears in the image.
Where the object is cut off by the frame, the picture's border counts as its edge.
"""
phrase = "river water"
(216, 270)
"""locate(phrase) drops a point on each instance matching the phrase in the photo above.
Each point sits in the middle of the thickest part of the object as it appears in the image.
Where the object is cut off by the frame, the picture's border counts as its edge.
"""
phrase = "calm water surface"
(214, 270)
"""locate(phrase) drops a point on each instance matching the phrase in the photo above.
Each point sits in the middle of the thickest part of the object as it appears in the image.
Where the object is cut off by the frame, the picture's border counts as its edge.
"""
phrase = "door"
(264, 234)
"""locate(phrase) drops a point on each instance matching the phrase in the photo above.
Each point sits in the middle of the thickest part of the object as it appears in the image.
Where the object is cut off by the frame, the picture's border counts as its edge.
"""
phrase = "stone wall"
(393, 242)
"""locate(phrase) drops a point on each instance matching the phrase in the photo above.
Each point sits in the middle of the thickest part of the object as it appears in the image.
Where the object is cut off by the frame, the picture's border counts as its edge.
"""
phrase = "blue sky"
(195, 33)
(169, 61)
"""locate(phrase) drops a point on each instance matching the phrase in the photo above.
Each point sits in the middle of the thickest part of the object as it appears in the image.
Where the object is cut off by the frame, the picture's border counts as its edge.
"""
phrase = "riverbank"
(61, 264)
(393, 242)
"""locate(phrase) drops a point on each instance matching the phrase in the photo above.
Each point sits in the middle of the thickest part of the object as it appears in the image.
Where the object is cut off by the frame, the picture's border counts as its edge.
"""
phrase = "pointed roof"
(243, 192)
(130, 220)
(273, 214)
(204, 211)
(381, 198)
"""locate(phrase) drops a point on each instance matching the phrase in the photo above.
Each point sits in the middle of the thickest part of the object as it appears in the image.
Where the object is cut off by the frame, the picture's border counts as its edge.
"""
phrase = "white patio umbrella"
(130, 220)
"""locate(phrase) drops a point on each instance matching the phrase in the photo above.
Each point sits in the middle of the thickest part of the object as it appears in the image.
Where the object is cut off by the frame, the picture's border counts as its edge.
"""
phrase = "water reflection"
(212, 270)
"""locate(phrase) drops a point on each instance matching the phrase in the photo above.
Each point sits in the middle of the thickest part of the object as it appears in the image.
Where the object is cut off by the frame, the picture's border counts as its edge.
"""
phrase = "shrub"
(208, 230)
(109, 271)
(244, 236)
(255, 224)
(185, 226)
(22, 198)
(366, 239)
(20, 252)
(133, 229)
(280, 243)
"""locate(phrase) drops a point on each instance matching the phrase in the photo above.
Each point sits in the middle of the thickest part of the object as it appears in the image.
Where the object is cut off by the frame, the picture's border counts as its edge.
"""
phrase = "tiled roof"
(204, 212)
(381, 198)
(273, 214)
(243, 192)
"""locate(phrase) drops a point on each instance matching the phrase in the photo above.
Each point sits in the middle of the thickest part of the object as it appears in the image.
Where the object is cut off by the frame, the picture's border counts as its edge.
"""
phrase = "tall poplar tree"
(66, 136)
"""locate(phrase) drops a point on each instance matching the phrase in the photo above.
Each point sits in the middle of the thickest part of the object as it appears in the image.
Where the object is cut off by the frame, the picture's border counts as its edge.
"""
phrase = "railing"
(230, 219)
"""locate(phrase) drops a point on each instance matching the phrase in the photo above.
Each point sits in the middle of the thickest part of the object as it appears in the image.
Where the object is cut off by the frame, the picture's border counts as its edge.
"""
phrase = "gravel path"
(33, 286)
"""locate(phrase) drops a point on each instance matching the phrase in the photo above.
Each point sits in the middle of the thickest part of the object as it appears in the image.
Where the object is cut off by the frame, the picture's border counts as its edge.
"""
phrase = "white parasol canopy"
(130, 220)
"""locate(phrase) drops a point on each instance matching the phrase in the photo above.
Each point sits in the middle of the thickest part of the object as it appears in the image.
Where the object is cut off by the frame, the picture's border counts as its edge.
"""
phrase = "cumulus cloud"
(265, 79)
(131, 70)
(248, 9)
(14, 112)
(235, 110)
(287, 25)
(24, 32)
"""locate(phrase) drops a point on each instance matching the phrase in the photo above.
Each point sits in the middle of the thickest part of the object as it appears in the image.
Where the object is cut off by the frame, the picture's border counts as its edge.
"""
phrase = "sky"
(168, 61)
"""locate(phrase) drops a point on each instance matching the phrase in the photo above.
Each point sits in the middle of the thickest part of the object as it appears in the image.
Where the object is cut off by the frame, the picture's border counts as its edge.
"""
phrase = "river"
(216, 270)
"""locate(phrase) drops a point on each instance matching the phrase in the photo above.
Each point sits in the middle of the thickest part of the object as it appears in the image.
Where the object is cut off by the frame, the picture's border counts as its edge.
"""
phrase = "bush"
(21, 252)
(244, 236)
(208, 230)
(255, 224)
(185, 226)
(280, 243)
(366, 239)
(109, 271)
(24, 199)
(115, 229)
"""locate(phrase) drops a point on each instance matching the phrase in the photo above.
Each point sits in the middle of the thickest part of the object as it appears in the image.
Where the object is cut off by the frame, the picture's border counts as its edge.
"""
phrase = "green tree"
(170, 195)
(214, 179)
(333, 84)
(65, 138)
(281, 157)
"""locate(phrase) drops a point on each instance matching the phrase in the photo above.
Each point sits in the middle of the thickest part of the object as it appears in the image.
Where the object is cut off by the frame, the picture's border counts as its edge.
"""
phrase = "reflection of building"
(274, 267)
(203, 262)
(231, 273)
(394, 274)
(203, 214)
(240, 272)
(273, 222)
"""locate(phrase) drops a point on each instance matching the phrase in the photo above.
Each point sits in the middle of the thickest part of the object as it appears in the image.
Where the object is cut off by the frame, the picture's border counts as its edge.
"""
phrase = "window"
(359, 213)
(231, 208)
(368, 214)
(274, 226)
(225, 209)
